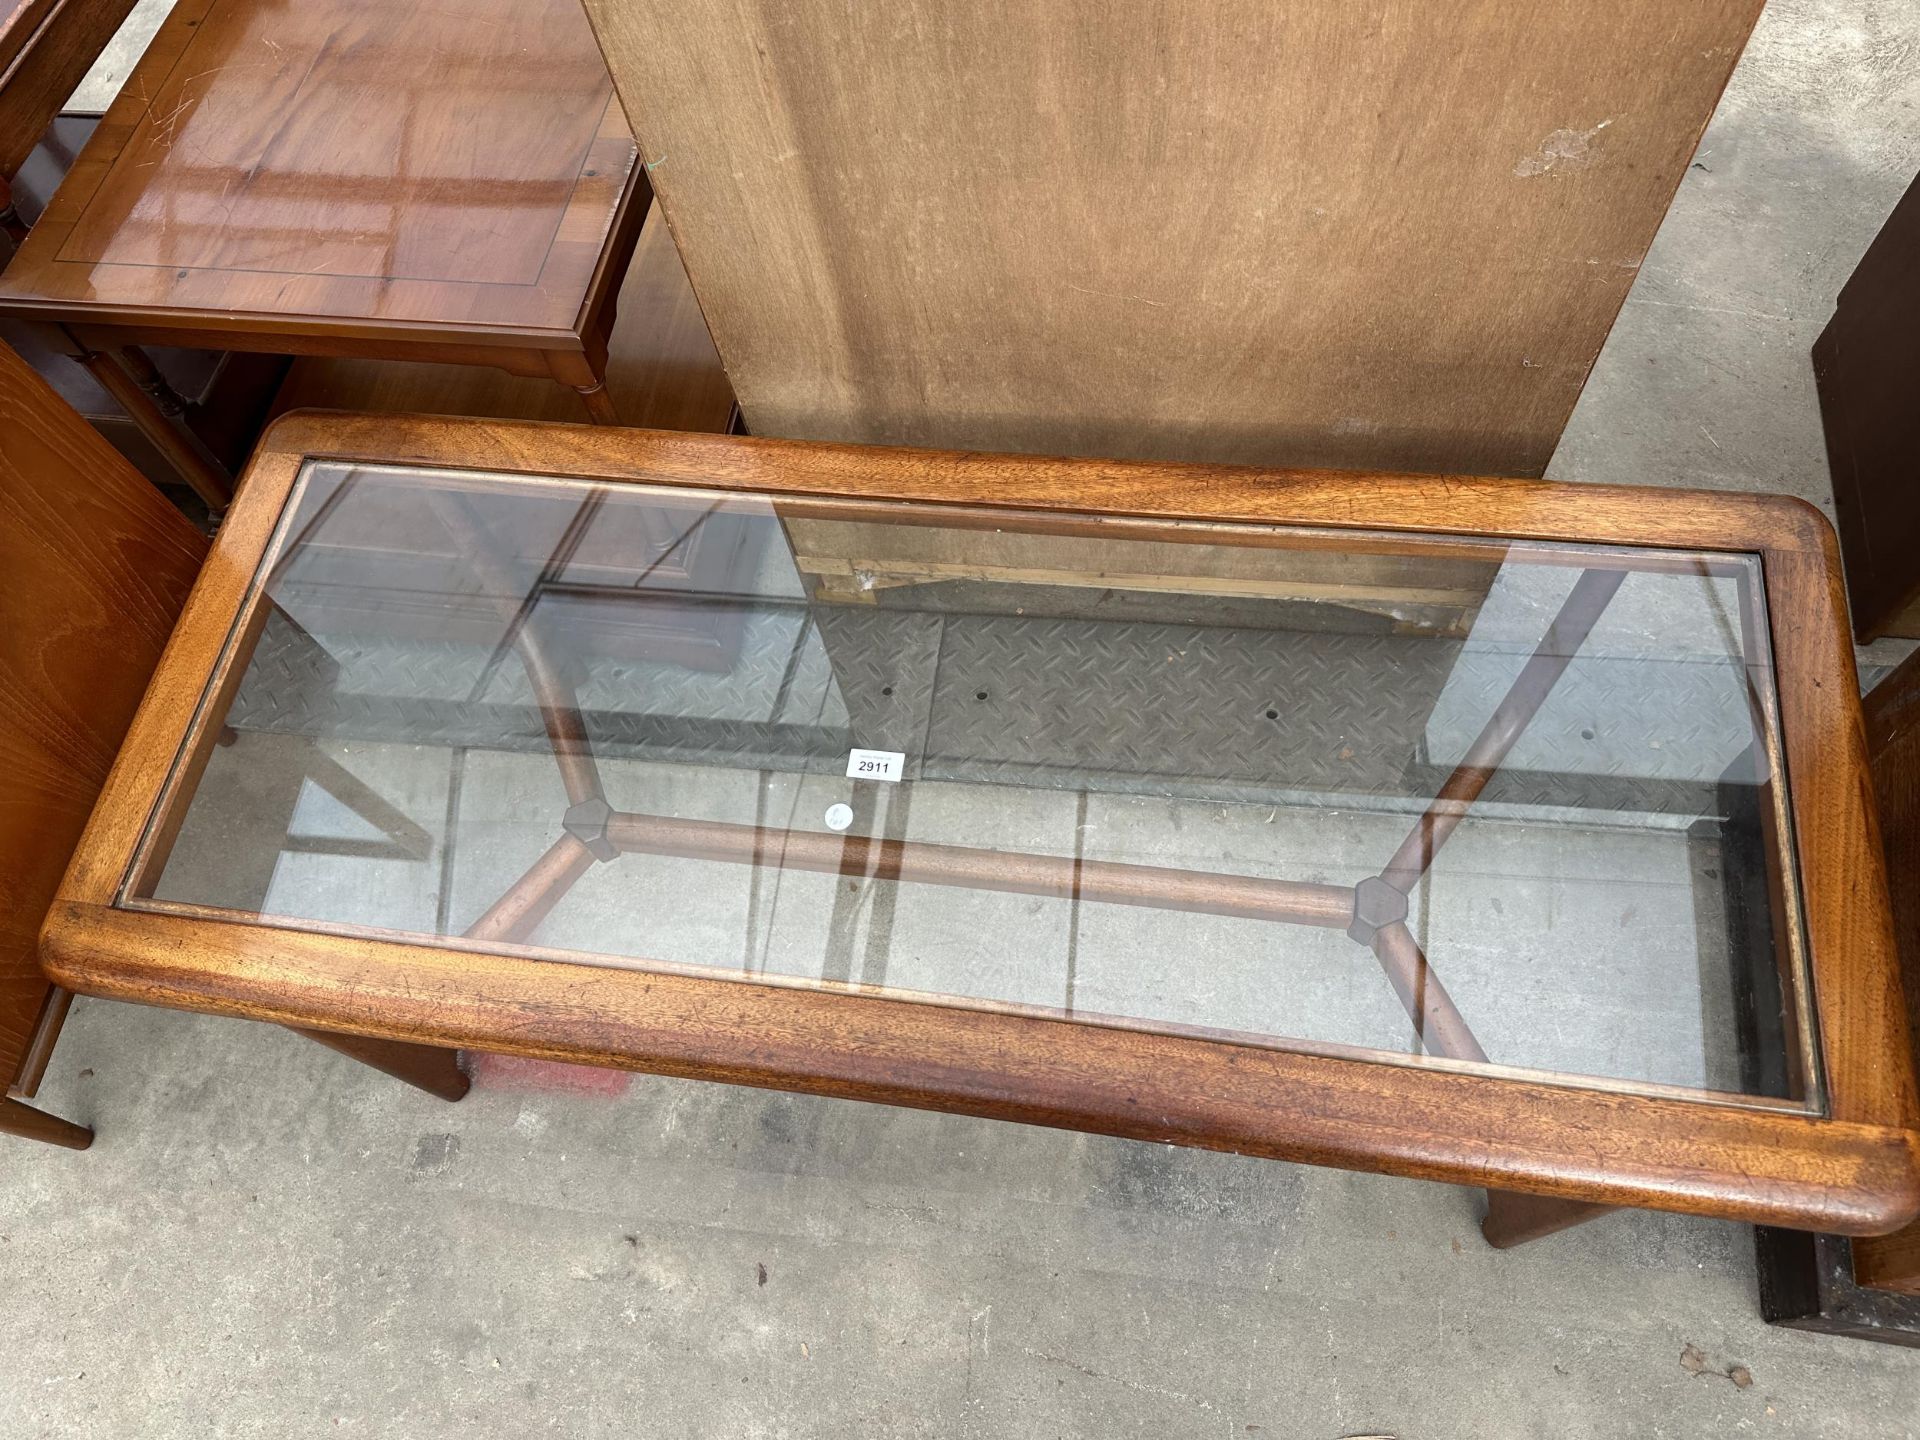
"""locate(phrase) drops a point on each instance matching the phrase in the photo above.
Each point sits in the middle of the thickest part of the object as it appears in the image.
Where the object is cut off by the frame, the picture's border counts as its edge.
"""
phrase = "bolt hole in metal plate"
(1422, 799)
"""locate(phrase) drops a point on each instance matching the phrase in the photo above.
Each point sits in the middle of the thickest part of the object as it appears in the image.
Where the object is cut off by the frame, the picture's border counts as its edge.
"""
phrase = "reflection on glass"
(1408, 798)
(375, 167)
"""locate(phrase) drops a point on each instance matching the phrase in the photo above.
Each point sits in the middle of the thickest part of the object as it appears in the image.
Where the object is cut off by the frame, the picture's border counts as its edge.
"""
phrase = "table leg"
(586, 374)
(1513, 1219)
(153, 406)
(32, 1124)
(425, 1067)
(39, 1051)
(11, 225)
(552, 691)
(1577, 616)
(531, 898)
(1437, 1021)
(599, 403)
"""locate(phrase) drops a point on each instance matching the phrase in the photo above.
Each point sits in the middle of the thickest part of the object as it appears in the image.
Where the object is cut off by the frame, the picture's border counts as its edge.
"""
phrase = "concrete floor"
(269, 1240)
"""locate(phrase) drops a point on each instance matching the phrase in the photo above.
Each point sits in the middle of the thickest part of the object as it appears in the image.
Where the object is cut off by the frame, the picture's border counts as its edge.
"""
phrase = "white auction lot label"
(875, 764)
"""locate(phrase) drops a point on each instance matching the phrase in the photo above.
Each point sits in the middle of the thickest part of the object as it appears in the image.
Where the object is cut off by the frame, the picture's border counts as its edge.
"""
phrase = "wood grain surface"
(1379, 235)
(344, 169)
(94, 567)
(1431, 1124)
(46, 49)
(1852, 1167)
(662, 370)
(1892, 1262)
(19, 19)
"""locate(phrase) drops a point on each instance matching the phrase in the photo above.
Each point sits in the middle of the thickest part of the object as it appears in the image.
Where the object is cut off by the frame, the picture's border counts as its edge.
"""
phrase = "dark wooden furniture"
(1868, 1288)
(446, 183)
(513, 925)
(1381, 236)
(94, 567)
(1892, 1262)
(1865, 363)
(1808, 1282)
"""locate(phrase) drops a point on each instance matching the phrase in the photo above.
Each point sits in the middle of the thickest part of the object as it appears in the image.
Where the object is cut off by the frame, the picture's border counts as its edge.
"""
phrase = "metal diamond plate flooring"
(1254, 714)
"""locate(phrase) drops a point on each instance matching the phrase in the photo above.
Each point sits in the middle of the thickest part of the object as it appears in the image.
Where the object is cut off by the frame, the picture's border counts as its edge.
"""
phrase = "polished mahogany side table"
(451, 182)
(1509, 834)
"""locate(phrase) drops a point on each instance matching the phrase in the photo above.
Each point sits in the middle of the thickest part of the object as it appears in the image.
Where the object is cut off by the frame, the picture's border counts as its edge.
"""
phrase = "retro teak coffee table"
(1483, 831)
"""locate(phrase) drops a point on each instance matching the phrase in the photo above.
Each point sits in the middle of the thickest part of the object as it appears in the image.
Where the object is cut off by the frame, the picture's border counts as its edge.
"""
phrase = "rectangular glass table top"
(1417, 799)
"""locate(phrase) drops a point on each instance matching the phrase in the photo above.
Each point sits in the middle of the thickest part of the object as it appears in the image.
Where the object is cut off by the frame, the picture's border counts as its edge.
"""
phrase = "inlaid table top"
(344, 169)
(1488, 831)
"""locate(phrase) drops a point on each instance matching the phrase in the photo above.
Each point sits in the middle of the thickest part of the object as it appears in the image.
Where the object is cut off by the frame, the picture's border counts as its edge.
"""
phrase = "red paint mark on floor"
(550, 1077)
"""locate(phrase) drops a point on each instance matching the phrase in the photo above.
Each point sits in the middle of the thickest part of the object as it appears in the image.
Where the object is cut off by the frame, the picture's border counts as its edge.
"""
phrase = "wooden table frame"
(557, 327)
(1853, 1169)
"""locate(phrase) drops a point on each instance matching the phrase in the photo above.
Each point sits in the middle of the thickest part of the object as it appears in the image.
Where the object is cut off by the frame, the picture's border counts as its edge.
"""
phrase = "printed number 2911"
(875, 764)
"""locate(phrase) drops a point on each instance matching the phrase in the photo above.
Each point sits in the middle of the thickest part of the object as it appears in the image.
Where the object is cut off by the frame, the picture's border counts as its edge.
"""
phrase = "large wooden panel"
(1388, 234)
(94, 567)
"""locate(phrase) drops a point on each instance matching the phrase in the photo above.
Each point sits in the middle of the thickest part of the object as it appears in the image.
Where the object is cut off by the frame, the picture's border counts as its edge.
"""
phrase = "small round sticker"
(839, 817)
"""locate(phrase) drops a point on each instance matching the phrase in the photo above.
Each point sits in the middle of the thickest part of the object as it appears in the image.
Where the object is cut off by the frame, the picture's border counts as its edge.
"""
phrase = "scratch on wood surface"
(1111, 295)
